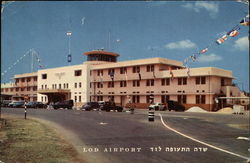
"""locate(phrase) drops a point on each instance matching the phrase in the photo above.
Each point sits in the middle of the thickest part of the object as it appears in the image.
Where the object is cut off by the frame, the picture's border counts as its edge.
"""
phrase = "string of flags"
(232, 33)
(21, 58)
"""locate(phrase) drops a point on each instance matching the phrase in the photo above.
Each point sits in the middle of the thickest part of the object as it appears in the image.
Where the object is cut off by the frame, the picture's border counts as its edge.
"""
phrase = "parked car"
(68, 104)
(35, 104)
(90, 105)
(174, 105)
(158, 106)
(107, 106)
(11, 104)
(18, 104)
(5, 103)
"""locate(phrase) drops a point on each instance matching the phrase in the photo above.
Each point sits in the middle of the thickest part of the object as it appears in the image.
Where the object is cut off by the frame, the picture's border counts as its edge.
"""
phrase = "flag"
(221, 40)
(172, 74)
(193, 57)
(139, 75)
(69, 33)
(233, 33)
(244, 22)
(126, 75)
(188, 72)
(112, 75)
(101, 79)
(154, 74)
(204, 50)
(224, 37)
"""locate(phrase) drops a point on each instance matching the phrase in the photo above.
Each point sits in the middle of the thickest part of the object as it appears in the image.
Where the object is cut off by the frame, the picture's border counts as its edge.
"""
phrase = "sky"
(136, 30)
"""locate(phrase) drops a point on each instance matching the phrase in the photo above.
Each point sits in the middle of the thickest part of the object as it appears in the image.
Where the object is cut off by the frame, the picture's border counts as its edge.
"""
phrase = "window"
(80, 85)
(182, 99)
(75, 85)
(99, 72)
(135, 99)
(150, 68)
(23, 80)
(164, 98)
(200, 80)
(28, 88)
(136, 83)
(203, 99)
(197, 80)
(17, 80)
(111, 84)
(75, 98)
(78, 72)
(150, 82)
(182, 81)
(90, 85)
(99, 85)
(42, 86)
(35, 78)
(136, 69)
(179, 81)
(67, 85)
(34, 88)
(44, 76)
(165, 81)
(17, 89)
(111, 71)
(203, 80)
(148, 99)
(42, 98)
(197, 99)
(222, 82)
(123, 83)
(60, 86)
(80, 99)
(123, 70)
(28, 79)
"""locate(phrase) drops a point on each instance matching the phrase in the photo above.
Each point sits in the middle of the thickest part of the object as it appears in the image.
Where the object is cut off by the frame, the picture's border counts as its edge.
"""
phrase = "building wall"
(65, 78)
(191, 89)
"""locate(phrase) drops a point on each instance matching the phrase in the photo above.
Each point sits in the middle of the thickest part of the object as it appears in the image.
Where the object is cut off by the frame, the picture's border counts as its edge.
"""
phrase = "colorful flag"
(220, 41)
(204, 50)
(233, 33)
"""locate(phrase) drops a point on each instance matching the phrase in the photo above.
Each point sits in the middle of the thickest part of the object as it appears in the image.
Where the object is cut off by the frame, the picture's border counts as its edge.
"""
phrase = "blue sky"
(174, 30)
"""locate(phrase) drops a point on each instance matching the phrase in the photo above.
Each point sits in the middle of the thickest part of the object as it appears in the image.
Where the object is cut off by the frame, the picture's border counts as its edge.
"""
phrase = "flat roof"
(101, 52)
(32, 74)
(138, 62)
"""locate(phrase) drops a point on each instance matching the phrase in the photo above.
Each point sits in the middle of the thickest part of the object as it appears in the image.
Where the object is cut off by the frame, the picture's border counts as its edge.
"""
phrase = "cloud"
(209, 58)
(211, 7)
(184, 44)
(242, 44)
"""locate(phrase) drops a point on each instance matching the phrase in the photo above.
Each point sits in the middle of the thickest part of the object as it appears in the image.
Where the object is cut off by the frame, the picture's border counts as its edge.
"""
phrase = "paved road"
(122, 137)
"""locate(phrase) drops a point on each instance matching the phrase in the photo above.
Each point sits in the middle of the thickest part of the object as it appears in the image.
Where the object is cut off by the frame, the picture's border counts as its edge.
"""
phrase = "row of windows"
(149, 82)
(123, 70)
(76, 73)
(28, 79)
(34, 88)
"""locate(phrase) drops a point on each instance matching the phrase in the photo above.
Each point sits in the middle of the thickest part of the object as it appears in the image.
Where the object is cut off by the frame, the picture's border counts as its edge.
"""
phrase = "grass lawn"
(31, 141)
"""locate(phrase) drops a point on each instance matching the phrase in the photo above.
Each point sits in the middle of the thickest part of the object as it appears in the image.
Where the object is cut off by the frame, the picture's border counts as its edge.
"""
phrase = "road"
(122, 137)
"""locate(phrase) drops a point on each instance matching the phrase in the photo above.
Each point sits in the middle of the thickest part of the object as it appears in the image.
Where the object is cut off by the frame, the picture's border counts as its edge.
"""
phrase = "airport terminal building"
(103, 78)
